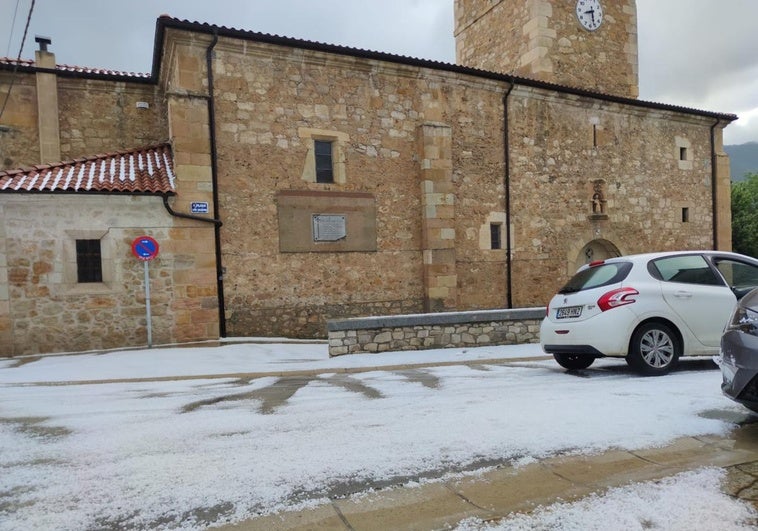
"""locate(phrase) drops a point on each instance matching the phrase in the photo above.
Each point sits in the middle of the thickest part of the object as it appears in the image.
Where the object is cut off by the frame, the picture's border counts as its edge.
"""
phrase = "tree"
(745, 215)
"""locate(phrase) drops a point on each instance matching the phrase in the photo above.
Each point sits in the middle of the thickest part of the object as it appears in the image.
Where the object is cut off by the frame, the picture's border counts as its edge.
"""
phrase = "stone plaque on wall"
(326, 222)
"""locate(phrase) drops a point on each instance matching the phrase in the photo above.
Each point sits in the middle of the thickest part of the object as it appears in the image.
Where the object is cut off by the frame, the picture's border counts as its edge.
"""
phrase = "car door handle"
(682, 294)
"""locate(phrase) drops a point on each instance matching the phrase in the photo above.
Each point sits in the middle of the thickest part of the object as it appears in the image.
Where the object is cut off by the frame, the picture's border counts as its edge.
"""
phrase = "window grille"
(89, 263)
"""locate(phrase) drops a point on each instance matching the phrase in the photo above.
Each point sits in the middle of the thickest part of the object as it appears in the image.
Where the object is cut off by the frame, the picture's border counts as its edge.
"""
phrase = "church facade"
(308, 181)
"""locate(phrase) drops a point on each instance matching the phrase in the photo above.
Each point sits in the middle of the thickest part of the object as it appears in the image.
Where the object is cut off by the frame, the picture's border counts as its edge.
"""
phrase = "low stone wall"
(434, 330)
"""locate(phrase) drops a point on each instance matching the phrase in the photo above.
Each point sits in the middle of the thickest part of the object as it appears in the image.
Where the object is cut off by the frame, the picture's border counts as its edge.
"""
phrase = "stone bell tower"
(588, 44)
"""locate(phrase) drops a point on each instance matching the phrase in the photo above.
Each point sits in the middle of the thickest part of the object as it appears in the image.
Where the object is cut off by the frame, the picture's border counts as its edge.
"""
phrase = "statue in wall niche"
(598, 198)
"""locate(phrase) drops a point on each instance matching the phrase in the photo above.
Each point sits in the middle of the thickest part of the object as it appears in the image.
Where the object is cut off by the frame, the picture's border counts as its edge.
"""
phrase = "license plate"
(568, 311)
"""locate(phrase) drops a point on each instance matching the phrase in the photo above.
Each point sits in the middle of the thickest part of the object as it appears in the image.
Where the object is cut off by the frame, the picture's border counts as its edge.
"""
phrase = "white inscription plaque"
(329, 227)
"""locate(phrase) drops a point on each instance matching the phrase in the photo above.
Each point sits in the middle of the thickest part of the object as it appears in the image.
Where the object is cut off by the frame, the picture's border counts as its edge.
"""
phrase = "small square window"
(324, 165)
(89, 263)
(495, 239)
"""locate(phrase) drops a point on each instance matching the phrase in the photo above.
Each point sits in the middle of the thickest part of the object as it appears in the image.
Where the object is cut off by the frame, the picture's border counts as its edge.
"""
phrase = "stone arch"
(596, 250)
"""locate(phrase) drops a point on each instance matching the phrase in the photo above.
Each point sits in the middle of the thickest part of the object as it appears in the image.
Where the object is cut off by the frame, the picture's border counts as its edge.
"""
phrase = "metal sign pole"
(147, 306)
(145, 248)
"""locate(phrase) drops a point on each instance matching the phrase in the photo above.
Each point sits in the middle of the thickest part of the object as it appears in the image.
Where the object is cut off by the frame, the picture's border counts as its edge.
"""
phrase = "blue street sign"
(199, 207)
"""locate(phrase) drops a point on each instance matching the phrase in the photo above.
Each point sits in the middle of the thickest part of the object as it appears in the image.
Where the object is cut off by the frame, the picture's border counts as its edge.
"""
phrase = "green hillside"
(743, 158)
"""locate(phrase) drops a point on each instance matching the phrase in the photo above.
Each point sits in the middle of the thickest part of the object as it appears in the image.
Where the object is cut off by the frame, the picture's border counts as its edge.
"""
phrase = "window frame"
(70, 274)
(340, 142)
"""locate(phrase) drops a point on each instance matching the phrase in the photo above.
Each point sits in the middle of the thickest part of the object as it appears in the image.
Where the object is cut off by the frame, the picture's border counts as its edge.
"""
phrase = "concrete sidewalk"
(497, 493)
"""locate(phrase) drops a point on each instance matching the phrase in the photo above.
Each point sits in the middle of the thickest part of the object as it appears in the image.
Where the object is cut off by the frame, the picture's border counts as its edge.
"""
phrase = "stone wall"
(424, 147)
(634, 154)
(308, 322)
(434, 330)
(542, 39)
(378, 115)
(98, 116)
(95, 116)
(427, 146)
(44, 309)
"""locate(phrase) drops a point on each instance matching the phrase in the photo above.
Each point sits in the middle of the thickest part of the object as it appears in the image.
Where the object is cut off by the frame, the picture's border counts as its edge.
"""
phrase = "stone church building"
(289, 181)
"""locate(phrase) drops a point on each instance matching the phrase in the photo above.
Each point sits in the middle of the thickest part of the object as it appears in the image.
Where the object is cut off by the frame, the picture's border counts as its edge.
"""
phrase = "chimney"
(47, 103)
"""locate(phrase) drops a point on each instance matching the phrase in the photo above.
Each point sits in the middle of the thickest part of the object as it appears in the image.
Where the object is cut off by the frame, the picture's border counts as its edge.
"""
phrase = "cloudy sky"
(693, 53)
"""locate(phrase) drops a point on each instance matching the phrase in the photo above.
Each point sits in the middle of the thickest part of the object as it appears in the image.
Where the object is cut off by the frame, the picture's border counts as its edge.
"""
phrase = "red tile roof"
(148, 170)
(29, 63)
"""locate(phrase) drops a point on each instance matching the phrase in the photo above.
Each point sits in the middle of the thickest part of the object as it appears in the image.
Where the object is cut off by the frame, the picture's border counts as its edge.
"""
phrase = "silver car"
(739, 353)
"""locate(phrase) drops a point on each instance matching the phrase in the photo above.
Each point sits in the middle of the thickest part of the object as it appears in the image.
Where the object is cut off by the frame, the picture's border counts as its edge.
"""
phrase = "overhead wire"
(18, 59)
(13, 26)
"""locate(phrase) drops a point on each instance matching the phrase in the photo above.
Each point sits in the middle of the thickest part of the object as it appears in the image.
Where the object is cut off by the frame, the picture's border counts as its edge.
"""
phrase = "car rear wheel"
(654, 350)
(574, 362)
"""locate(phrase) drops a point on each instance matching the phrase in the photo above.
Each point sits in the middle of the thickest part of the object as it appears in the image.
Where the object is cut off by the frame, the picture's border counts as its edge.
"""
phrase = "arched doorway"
(596, 250)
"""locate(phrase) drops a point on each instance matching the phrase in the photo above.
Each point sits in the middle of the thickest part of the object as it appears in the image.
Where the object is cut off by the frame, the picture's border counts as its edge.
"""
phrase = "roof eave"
(91, 192)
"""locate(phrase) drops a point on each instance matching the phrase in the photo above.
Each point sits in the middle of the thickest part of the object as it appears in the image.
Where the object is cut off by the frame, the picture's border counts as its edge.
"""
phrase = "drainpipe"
(214, 181)
(714, 186)
(507, 186)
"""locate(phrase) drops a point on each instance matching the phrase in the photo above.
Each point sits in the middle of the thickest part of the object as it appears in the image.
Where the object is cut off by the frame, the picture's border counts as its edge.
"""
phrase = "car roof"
(651, 256)
(646, 257)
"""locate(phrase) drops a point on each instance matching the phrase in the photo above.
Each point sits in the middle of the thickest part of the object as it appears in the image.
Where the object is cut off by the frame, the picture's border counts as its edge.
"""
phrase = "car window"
(688, 269)
(738, 274)
(597, 276)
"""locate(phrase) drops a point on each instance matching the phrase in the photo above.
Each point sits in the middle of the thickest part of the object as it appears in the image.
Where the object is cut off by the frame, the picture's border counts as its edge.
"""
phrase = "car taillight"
(744, 320)
(616, 298)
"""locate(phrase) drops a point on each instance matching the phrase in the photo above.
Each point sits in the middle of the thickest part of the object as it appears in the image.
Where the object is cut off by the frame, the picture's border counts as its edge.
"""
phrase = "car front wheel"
(573, 362)
(654, 350)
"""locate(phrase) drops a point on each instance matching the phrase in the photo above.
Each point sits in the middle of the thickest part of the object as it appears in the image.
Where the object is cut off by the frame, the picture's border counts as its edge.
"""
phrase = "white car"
(649, 309)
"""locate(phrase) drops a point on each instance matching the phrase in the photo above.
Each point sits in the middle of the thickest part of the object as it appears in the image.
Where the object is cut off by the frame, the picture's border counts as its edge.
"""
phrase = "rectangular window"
(324, 167)
(495, 240)
(685, 215)
(682, 153)
(89, 263)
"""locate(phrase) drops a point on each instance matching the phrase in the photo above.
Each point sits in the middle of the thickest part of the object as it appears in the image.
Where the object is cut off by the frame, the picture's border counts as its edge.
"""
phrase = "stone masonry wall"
(95, 116)
(424, 146)
(44, 309)
(561, 146)
(99, 116)
(271, 101)
(542, 39)
(377, 113)
(447, 330)
(311, 321)
(19, 134)
(267, 96)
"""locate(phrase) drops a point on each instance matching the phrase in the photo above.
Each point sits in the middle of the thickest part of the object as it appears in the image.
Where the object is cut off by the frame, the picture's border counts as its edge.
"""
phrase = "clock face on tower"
(589, 13)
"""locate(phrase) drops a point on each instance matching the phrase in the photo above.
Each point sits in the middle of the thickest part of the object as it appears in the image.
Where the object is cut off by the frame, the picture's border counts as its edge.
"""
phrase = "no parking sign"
(145, 248)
